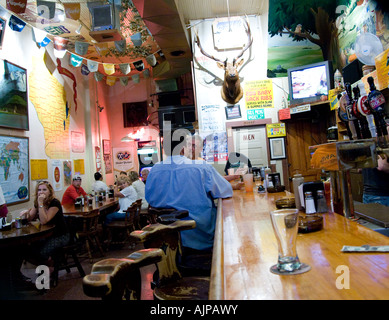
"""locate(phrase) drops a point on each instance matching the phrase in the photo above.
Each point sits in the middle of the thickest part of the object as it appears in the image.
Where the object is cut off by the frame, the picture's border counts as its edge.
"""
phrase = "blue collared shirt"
(183, 184)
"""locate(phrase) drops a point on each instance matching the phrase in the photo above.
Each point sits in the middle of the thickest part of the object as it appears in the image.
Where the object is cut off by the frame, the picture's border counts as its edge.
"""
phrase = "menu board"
(259, 94)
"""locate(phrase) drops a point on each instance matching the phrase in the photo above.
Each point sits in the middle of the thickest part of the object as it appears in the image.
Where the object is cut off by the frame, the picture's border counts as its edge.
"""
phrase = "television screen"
(310, 83)
(102, 18)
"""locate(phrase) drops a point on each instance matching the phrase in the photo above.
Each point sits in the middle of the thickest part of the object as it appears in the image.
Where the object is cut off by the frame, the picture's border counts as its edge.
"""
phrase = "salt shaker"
(309, 203)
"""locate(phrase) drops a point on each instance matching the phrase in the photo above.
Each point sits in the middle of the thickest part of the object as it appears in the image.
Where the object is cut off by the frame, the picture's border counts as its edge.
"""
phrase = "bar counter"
(245, 248)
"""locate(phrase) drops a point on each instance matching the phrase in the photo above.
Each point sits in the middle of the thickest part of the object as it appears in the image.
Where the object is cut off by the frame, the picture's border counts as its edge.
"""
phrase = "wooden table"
(72, 210)
(26, 234)
(245, 248)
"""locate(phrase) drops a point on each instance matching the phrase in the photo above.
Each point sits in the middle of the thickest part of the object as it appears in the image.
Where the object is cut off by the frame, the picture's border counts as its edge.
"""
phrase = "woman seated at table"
(126, 194)
(139, 187)
(48, 210)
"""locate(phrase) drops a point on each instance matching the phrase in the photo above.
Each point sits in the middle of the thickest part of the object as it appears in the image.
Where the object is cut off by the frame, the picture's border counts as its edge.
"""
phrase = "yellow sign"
(259, 94)
(39, 169)
(333, 98)
(382, 67)
(79, 167)
(276, 130)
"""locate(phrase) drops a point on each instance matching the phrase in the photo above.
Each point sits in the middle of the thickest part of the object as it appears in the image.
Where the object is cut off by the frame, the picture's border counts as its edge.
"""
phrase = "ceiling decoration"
(163, 26)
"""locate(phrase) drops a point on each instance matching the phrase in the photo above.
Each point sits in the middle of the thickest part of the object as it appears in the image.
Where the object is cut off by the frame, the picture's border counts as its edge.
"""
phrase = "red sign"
(17, 6)
(284, 114)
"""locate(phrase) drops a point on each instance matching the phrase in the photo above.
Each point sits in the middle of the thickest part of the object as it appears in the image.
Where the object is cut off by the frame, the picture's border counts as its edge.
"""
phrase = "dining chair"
(89, 232)
(168, 282)
(121, 229)
(137, 214)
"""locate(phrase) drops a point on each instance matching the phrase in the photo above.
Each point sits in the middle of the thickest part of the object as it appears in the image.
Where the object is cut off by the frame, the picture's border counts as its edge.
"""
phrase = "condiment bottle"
(321, 202)
(309, 203)
(297, 180)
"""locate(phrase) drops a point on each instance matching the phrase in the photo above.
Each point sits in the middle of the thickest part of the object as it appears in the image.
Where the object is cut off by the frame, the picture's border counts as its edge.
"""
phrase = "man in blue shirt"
(184, 184)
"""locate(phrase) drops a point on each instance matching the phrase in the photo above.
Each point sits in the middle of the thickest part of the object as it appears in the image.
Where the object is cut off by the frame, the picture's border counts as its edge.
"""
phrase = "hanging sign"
(255, 114)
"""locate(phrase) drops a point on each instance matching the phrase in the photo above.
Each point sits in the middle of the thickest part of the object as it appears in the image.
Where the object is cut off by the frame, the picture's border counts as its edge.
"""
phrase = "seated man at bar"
(99, 184)
(183, 184)
(376, 183)
(126, 194)
(237, 160)
(144, 173)
(73, 192)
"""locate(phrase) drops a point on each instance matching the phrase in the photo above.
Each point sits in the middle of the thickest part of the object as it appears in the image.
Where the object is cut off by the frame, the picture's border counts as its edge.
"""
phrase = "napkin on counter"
(365, 248)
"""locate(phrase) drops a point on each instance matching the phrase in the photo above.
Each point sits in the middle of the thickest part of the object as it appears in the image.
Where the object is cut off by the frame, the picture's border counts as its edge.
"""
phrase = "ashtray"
(276, 189)
(285, 203)
(310, 223)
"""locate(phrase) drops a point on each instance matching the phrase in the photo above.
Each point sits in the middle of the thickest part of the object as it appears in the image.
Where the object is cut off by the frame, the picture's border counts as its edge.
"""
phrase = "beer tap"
(361, 119)
(350, 116)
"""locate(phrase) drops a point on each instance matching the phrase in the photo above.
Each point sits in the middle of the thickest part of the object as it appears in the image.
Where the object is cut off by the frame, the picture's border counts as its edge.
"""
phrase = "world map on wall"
(14, 168)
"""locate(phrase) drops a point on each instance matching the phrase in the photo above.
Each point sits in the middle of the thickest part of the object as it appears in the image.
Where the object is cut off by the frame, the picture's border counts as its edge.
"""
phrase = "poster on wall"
(123, 159)
(212, 118)
(67, 172)
(38, 169)
(79, 166)
(13, 96)
(258, 94)
(56, 166)
(108, 163)
(276, 130)
(14, 169)
(77, 140)
(215, 147)
(98, 158)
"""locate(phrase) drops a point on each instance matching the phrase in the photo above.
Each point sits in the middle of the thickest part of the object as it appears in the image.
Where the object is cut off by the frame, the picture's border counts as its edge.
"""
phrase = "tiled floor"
(70, 284)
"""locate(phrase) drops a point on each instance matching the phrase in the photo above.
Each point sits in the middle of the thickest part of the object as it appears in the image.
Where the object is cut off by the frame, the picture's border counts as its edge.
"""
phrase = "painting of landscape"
(13, 96)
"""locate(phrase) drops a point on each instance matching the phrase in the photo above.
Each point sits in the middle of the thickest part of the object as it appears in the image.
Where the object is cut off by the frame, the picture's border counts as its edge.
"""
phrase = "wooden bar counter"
(245, 248)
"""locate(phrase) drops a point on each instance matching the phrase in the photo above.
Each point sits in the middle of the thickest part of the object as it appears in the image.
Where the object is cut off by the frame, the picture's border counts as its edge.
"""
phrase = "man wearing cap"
(73, 192)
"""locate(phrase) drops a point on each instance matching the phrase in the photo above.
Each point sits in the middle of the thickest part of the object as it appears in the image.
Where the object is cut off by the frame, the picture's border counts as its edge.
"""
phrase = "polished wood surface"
(24, 235)
(72, 210)
(248, 249)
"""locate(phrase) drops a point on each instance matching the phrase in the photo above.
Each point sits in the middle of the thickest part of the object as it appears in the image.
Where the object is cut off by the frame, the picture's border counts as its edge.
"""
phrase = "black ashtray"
(310, 223)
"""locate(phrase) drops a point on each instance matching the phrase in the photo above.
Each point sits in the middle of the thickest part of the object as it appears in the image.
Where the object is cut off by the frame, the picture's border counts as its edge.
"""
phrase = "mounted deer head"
(231, 90)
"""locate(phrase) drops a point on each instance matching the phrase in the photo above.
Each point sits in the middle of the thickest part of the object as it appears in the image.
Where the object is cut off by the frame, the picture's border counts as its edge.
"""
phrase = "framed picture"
(2, 29)
(14, 169)
(135, 114)
(233, 112)
(106, 146)
(277, 148)
(14, 97)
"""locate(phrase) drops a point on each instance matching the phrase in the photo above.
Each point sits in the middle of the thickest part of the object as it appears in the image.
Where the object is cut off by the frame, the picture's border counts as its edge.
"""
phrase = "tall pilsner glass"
(285, 225)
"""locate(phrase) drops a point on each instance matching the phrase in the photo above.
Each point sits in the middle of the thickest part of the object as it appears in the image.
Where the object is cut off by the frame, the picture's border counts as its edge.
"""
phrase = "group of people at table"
(181, 181)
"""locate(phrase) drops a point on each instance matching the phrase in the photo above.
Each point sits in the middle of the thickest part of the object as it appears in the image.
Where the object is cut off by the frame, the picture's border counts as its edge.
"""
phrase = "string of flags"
(155, 60)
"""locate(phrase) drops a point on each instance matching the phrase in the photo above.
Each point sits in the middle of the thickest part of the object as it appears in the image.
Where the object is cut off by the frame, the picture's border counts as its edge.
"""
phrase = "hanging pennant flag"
(102, 48)
(72, 10)
(84, 70)
(111, 80)
(139, 65)
(136, 39)
(75, 61)
(160, 56)
(40, 37)
(109, 68)
(125, 68)
(45, 9)
(67, 73)
(81, 48)
(124, 81)
(151, 60)
(146, 73)
(135, 78)
(98, 76)
(60, 43)
(93, 66)
(120, 45)
(17, 6)
(59, 53)
(16, 24)
(50, 64)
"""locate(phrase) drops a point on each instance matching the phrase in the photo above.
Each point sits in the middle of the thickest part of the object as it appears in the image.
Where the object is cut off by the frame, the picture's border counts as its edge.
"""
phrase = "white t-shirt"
(139, 187)
(130, 196)
(99, 186)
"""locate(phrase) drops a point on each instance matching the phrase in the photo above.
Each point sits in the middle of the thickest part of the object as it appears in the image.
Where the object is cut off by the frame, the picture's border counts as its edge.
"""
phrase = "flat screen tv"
(310, 83)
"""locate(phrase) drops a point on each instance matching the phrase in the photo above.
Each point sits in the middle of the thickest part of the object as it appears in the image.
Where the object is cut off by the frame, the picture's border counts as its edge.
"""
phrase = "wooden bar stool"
(89, 232)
